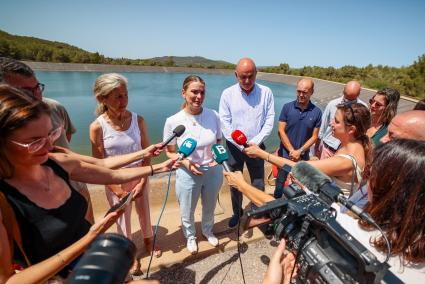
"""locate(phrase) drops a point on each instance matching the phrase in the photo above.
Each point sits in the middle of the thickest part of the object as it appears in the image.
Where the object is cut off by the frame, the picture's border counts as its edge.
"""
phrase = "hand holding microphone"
(187, 148)
(177, 132)
(251, 150)
(220, 155)
(153, 150)
(240, 138)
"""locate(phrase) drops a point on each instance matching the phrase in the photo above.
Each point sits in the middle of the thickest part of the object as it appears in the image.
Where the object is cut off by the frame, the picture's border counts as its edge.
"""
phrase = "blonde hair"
(104, 85)
(187, 81)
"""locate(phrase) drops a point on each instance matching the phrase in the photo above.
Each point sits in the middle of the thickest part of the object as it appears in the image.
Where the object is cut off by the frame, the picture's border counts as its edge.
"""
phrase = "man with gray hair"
(327, 144)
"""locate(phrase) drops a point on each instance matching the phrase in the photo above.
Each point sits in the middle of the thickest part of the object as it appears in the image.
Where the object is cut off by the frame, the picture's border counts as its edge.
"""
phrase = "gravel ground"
(223, 267)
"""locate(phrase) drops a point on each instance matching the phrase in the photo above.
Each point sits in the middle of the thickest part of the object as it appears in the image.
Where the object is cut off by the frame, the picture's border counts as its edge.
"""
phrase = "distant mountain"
(193, 61)
(35, 49)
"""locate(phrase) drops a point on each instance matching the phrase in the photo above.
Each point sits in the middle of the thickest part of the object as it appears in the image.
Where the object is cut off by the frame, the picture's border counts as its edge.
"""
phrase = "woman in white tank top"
(346, 167)
(117, 131)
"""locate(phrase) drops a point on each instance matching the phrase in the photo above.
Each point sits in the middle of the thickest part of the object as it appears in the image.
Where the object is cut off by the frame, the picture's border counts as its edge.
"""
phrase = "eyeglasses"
(349, 106)
(36, 145)
(378, 104)
(38, 87)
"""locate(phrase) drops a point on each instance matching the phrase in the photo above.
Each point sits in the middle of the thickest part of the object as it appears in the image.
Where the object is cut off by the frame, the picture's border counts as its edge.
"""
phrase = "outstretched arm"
(89, 173)
(257, 196)
(254, 151)
(115, 161)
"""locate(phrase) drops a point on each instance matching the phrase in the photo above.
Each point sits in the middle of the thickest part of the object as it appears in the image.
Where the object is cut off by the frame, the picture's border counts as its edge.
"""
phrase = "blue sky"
(311, 32)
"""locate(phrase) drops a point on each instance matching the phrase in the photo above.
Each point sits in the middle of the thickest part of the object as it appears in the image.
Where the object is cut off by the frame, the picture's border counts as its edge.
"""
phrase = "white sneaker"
(192, 247)
(211, 239)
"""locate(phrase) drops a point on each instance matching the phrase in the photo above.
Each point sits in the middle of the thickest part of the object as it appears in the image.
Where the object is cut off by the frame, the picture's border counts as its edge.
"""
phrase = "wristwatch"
(302, 151)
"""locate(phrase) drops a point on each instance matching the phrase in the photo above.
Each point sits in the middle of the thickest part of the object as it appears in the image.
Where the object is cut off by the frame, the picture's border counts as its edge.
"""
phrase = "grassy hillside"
(35, 49)
(409, 80)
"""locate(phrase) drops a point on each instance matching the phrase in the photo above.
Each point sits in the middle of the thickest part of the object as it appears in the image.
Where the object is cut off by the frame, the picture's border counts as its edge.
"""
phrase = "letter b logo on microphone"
(220, 149)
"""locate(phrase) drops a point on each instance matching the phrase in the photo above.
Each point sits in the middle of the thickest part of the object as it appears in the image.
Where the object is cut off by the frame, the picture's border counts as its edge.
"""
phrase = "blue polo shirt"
(299, 125)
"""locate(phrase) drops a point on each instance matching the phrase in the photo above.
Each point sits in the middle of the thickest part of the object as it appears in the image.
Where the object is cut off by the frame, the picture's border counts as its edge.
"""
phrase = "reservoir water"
(155, 96)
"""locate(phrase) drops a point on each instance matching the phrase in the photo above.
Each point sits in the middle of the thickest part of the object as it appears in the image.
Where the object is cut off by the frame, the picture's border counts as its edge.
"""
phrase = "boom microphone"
(240, 138)
(186, 148)
(309, 176)
(220, 156)
(177, 132)
(317, 181)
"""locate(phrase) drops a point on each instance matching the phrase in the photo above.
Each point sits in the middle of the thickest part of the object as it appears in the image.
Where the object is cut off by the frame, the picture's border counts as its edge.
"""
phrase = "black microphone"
(317, 182)
(177, 132)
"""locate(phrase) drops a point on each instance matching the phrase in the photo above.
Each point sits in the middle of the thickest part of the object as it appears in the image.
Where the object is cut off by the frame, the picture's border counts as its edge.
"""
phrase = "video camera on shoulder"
(326, 252)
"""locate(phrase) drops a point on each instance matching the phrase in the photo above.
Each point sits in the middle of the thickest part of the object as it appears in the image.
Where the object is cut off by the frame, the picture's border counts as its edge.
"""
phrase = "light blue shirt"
(252, 114)
(325, 132)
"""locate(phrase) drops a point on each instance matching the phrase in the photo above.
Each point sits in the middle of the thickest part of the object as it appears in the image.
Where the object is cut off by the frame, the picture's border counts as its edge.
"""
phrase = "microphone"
(240, 138)
(318, 182)
(220, 156)
(186, 148)
(177, 132)
(309, 176)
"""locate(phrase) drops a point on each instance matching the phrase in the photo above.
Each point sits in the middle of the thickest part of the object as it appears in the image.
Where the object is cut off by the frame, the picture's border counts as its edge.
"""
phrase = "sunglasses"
(378, 104)
(33, 90)
(349, 106)
(36, 145)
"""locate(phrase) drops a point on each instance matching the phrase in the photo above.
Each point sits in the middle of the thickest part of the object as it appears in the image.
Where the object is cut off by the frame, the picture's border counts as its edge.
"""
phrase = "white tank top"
(121, 142)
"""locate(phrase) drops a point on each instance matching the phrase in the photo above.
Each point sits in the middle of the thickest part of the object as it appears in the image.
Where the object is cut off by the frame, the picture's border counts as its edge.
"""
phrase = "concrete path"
(202, 267)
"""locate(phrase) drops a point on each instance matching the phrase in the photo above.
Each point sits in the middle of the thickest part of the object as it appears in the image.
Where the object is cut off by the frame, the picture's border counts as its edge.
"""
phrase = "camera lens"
(108, 260)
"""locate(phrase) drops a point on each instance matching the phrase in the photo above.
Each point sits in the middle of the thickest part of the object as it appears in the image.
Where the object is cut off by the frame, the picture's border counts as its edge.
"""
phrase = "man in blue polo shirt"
(299, 124)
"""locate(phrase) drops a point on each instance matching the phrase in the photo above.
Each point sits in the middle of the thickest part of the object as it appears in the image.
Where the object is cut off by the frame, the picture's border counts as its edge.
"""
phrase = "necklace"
(195, 124)
(116, 121)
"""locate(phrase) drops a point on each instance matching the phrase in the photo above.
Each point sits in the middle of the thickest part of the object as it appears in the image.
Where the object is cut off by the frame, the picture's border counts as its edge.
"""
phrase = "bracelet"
(60, 258)
(151, 170)
(268, 157)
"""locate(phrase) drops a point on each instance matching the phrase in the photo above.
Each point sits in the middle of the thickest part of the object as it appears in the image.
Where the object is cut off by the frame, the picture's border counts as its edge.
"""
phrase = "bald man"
(248, 107)
(406, 125)
(327, 144)
(299, 124)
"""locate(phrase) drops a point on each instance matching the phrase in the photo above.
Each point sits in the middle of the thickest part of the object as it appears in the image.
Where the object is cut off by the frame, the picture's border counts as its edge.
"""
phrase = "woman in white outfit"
(117, 131)
(200, 175)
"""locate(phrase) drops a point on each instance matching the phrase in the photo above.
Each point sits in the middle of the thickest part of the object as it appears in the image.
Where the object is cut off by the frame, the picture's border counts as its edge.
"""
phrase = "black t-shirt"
(45, 232)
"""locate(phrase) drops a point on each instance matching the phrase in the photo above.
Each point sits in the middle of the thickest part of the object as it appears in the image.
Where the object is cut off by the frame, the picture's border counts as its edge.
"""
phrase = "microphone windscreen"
(309, 176)
(187, 147)
(219, 153)
(179, 130)
(239, 137)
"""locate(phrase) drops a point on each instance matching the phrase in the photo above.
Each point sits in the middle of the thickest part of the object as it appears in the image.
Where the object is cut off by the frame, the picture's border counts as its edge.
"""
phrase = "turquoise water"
(155, 96)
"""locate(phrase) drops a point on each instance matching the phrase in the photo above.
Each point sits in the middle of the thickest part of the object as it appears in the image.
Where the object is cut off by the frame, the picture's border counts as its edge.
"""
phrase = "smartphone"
(125, 201)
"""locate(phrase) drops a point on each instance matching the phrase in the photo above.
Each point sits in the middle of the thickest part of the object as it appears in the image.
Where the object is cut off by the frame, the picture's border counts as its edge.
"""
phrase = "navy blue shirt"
(299, 125)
